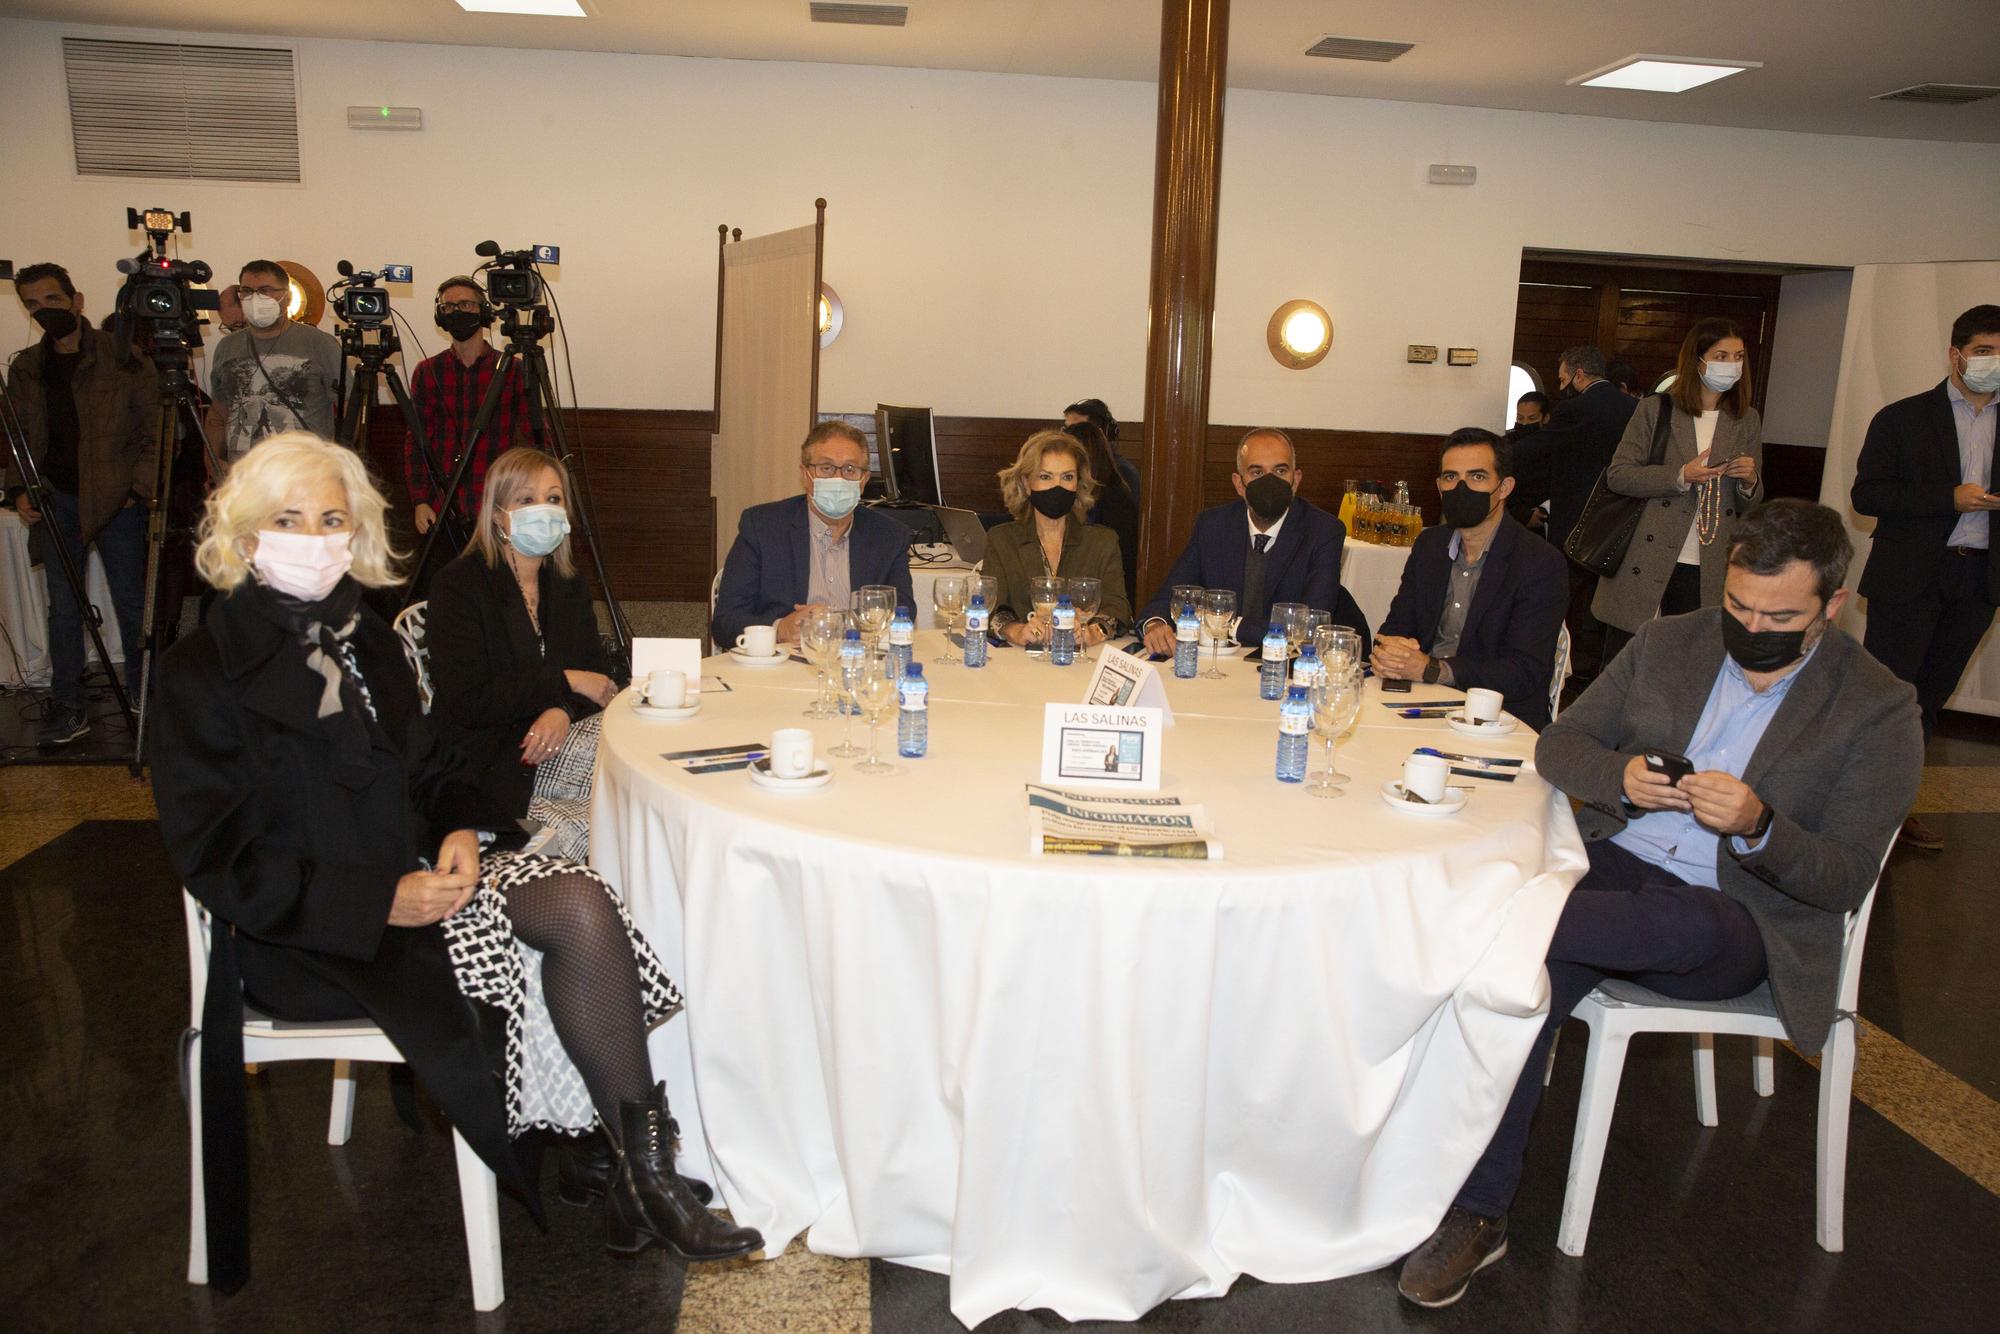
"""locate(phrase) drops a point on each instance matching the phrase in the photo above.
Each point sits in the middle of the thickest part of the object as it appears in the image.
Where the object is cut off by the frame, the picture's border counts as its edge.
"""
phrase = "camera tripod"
(372, 363)
(525, 327)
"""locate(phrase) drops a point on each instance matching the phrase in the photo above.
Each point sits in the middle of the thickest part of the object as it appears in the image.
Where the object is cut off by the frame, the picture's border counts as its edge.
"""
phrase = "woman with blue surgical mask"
(1710, 475)
(518, 668)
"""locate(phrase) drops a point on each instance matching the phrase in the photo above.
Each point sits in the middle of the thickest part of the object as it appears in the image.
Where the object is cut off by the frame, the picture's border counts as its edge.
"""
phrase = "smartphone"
(1668, 765)
(1395, 687)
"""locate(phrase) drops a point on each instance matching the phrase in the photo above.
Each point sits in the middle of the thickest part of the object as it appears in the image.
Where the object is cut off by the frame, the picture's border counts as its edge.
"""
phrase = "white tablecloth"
(1089, 1085)
(24, 608)
(1372, 574)
(924, 577)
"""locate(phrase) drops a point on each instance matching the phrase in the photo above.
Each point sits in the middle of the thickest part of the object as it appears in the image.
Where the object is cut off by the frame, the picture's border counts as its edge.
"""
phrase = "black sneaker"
(1438, 1272)
(62, 726)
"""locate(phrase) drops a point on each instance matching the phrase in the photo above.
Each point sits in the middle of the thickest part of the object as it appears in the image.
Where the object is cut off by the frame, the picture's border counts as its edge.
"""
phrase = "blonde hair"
(264, 481)
(517, 467)
(1014, 479)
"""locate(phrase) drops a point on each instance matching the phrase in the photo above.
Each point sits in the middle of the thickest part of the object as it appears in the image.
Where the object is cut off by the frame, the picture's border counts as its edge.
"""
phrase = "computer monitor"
(906, 441)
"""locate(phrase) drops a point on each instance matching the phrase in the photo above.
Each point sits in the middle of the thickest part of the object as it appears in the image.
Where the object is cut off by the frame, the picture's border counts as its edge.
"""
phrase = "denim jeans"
(122, 545)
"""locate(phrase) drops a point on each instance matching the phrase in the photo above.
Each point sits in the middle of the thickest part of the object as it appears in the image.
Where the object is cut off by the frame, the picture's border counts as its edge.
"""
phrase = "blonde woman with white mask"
(306, 803)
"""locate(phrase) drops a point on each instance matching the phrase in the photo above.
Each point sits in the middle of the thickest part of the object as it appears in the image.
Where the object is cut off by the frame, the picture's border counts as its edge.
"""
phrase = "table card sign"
(683, 655)
(1122, 679)
(1089, 745)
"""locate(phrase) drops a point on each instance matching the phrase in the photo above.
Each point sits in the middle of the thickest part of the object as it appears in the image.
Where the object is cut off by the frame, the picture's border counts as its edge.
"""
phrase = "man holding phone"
(1742, 771)
(276, 375)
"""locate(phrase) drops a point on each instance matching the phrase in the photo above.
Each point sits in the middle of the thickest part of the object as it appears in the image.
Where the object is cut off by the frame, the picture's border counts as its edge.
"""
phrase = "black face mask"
(462, 324)
(1761, 650)
(1465, 507)
(1268, 496)
(1054, 502)
(56, 323)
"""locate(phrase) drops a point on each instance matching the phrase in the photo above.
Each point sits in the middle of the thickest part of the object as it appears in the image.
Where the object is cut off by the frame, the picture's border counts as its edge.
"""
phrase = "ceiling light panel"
(554, 9)
(1663, 74)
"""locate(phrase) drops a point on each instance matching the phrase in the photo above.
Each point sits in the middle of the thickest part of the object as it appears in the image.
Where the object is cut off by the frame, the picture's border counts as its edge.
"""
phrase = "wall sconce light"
(1300, 334)
(830, 314)
(308, 299)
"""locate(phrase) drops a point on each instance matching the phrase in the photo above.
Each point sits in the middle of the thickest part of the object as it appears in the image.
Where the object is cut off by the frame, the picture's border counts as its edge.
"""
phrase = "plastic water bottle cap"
(854, 634)
(915, 671)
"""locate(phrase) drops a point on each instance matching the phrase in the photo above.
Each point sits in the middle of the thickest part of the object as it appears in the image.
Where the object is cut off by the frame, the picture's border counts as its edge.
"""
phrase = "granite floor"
(1694, 1228)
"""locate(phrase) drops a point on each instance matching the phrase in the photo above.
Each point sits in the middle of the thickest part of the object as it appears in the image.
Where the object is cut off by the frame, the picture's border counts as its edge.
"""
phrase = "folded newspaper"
(1118, 825)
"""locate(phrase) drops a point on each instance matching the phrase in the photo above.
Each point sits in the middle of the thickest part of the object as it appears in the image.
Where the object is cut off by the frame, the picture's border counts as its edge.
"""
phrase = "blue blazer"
(1509, 644)
(1302, 566)
(769, 566)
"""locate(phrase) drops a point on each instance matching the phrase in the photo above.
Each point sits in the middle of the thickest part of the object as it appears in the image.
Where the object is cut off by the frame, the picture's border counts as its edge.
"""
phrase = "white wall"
(1805, 357)
(987, 233)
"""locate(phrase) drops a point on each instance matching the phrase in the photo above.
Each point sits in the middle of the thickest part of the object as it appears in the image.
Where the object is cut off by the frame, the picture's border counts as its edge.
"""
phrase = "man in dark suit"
(1531, 461)
(1805, 754)
(1270, 547)
(1580, 438)
(1926, 474)
(814, 549)
(1481, 603)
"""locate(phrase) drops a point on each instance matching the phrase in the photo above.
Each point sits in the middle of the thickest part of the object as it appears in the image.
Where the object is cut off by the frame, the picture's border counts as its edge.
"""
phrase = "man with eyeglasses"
(813, 549)
(448, 389)
(276, 375)
(1481, 602)
(1272, 546)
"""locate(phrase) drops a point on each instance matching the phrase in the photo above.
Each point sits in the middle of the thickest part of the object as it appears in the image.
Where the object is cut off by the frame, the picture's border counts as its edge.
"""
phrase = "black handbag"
(1604, 530)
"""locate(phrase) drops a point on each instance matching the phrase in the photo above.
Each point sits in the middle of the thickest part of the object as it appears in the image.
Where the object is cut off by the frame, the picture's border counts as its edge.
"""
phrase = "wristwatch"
(1431, 671)
(1762, 827)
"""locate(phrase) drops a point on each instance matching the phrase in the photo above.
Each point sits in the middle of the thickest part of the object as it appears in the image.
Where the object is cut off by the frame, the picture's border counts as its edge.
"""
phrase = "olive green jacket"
(1090, 551)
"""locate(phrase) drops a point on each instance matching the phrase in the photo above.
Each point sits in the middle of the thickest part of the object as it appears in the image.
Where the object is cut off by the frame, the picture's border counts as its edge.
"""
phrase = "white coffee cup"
(791, 752)
(1426, 776)
(667, 688)
(1483, 705)
(757, 641)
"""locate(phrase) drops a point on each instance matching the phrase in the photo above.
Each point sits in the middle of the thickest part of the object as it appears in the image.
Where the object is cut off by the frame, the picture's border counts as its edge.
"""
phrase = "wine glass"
(950, 596)
(851, 670)
(1336, 699)
(820, 634)
(1043, 592)
(1184, 594)
(1291, 618)
(874, 607)
(1339, 646)
(1218, 613)
(1315, 619)
(875, 694)
(1087, 596)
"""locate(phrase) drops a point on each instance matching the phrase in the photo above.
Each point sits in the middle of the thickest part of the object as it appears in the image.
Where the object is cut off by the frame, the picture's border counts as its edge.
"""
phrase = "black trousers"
(1625, 918)
(1929, 641)
(1588, 654)
(1682, 594)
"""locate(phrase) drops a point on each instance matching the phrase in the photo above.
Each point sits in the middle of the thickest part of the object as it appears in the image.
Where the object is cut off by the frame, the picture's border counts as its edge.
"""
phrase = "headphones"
(486, 314)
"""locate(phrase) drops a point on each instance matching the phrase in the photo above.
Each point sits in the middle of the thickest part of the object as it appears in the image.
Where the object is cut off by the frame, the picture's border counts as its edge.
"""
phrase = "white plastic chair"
(1618, 1009)
(409, 627)
(342, 1042)
(1561, 673)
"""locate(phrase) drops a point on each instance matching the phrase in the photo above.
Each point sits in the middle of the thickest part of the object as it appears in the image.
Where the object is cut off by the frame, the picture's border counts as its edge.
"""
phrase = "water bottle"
(975, 632)
(1308, 671)
(1187, 643)
(852, 657)
(1271, 675)
(1294, 720)
(1062, 639)
(913, 719)
(902, 630)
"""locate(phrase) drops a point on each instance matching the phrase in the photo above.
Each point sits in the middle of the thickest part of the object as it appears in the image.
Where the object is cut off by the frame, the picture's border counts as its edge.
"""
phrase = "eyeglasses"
(853, 472)
(267, 291)
(455, 307)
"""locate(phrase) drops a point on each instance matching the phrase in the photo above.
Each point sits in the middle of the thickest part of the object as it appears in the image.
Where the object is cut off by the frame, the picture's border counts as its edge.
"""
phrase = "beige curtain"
(1898, 326)
(768, 330)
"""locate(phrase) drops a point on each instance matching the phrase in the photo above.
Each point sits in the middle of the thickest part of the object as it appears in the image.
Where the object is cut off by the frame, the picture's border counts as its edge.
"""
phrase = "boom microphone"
(345, 268)
(487, 249)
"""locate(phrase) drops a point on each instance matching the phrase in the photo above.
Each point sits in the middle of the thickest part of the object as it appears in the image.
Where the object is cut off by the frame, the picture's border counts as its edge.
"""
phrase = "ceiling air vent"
(874, 16)
(202, 113)
(1939, 94)
(1357, 48)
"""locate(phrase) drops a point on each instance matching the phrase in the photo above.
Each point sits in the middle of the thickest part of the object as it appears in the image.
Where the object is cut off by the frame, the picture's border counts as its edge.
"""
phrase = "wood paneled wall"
(649, 474)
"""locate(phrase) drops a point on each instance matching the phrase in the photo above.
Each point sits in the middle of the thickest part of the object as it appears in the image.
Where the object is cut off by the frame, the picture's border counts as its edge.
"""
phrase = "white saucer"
(658, 714)
(745, 660)
(1454, 800)
(1226, 651)
(760, 774)
(1466, 727)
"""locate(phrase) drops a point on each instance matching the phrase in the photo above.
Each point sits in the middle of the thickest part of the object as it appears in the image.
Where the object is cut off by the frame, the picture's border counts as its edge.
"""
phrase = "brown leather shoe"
(1917, 834)
(1438, 1272)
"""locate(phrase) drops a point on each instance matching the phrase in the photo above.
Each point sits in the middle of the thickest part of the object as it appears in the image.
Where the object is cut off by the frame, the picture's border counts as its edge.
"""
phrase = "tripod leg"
(541, 390)
(413, 421)
(480, 423)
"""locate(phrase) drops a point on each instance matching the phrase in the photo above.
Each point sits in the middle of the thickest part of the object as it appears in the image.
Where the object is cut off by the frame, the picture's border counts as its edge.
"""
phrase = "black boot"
(647, 1202)
(584, 1167)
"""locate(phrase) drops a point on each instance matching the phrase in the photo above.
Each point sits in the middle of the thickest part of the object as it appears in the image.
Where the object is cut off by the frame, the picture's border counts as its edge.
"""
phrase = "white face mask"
(1721, 376)
(262, 311)
(1981, 374)
(305, 566)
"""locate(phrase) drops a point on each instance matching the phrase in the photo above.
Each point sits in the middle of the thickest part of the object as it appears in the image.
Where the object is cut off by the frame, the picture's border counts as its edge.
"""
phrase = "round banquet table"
(1088, 1084)
(1372, 574)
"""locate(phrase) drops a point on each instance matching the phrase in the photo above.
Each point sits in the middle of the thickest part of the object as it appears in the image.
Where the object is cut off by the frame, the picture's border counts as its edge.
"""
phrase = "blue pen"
(1422, 713)
(739, 762)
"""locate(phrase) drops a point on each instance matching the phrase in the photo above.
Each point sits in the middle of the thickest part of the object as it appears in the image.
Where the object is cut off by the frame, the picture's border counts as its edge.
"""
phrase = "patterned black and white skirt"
(544, 1089)
(561, 800)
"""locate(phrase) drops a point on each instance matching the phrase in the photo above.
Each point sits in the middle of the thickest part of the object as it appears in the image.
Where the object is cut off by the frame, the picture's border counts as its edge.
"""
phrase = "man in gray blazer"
(1804, 754)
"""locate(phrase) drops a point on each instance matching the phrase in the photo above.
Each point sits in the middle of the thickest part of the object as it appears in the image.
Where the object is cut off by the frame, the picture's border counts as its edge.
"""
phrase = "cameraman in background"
(90, 418)
(448, 389)
(277, 375)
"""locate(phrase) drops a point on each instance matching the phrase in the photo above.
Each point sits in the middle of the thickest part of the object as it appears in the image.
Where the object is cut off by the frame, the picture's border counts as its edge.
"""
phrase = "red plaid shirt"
(448, 393)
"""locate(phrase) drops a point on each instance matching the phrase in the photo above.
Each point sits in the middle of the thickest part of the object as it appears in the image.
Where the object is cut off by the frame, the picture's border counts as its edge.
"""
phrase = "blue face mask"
(835, 497)
(536, 530)
(1721, 376)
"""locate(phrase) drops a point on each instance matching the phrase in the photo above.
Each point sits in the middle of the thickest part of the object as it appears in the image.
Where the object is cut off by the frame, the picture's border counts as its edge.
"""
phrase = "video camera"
(511, 276)
(160, 298)
(358, 298)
